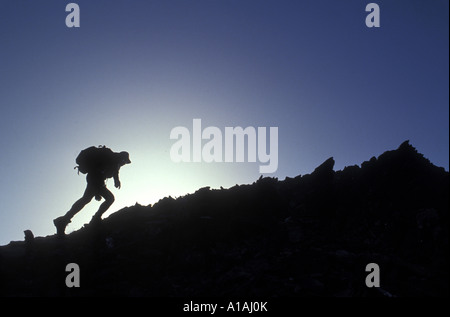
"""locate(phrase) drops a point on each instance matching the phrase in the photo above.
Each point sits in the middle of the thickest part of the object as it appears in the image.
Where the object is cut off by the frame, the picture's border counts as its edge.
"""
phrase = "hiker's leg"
(89, 193)
(63, 221)
(109, 200)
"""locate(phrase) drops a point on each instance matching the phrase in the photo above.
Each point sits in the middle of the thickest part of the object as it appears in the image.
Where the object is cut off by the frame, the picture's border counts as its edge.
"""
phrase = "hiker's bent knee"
(110, 199)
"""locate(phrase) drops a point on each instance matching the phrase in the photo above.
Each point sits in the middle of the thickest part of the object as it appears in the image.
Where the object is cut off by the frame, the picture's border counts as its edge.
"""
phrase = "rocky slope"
(311, 235)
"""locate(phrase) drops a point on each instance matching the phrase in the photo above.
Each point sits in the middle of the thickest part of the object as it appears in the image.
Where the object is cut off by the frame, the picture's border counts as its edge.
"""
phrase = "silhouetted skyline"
(379, 230)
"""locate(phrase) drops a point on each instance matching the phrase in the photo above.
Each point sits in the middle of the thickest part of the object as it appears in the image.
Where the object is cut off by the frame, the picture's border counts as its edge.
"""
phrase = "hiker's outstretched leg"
(63, 221)
(89, 193)
(109, 200)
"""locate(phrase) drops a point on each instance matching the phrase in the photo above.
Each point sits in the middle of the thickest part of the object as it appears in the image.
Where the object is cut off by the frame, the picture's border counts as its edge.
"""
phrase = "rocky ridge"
(310, 235)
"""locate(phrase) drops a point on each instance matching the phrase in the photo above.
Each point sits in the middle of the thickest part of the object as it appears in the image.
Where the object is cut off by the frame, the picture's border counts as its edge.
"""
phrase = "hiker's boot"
(60, 224)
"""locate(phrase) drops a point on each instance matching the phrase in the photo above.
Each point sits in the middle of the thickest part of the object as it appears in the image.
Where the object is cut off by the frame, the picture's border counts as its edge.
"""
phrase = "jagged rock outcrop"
(311, 235)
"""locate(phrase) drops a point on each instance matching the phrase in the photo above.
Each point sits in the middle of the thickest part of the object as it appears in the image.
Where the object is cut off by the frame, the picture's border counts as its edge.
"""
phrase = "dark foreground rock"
(311, 235)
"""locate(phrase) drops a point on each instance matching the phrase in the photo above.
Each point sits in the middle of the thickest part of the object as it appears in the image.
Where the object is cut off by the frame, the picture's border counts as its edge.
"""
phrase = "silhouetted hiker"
(99, 163)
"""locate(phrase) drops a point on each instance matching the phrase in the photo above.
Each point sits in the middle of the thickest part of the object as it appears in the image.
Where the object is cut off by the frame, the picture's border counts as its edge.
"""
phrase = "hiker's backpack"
(94, 159)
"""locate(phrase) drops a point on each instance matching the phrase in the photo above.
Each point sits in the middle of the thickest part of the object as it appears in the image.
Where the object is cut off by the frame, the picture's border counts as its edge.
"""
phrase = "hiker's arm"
(116, 179)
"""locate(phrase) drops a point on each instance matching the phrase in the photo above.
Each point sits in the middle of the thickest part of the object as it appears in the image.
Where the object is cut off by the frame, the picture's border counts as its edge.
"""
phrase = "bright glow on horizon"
(148, 179)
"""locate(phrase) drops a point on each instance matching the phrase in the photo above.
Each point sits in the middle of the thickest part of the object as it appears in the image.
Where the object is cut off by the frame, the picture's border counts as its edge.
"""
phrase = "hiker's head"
(124, 158)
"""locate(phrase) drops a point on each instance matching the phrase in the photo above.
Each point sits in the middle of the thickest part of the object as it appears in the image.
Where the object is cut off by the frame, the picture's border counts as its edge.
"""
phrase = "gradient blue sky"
(136, 69)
